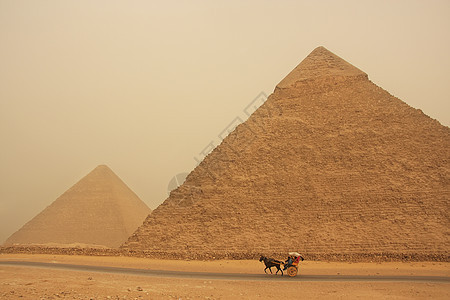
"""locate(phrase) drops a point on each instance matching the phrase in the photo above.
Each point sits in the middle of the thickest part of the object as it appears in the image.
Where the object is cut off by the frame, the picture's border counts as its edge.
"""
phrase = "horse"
(270, 262)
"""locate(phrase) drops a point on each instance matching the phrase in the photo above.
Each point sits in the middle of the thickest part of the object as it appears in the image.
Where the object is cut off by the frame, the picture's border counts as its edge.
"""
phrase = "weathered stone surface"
(99, 210)
(330, 164)
(232, 255)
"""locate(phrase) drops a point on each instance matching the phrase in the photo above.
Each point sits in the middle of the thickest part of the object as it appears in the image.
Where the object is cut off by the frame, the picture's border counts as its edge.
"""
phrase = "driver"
(288, 262)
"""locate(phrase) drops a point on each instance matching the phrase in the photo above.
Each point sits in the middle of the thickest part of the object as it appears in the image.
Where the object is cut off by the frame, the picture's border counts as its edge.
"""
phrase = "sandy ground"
(36, 283)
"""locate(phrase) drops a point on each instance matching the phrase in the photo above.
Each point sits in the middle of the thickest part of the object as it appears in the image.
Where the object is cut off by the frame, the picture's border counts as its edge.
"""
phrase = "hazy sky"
(144, 86)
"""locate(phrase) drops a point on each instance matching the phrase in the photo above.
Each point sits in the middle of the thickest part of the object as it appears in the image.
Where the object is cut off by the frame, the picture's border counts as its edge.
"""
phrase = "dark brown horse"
(270, 262)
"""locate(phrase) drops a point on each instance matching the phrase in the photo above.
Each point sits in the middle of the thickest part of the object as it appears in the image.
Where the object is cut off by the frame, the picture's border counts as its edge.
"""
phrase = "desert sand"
(43, 283)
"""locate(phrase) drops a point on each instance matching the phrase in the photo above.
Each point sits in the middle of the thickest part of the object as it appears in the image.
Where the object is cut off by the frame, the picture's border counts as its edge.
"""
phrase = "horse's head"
(261, 258)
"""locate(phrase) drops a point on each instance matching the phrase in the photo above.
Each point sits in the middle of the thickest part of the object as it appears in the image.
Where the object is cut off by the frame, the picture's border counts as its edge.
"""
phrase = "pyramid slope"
(98, 210)
(331, 164)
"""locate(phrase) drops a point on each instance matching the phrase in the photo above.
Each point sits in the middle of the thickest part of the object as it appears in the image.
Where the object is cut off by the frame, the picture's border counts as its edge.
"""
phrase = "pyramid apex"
(102, 167)
(320, 63)
(321, 48)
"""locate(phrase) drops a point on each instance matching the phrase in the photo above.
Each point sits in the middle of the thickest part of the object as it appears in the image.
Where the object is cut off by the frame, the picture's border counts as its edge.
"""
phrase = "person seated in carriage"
(288, 262)
(293, 257)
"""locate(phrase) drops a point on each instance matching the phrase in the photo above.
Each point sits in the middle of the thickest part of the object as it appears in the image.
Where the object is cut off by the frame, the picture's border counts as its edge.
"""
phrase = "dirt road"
(224, 276)
(32, 276)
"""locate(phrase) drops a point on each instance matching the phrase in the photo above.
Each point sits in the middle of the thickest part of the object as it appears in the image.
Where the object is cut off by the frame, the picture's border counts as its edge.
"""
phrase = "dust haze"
(144, 87)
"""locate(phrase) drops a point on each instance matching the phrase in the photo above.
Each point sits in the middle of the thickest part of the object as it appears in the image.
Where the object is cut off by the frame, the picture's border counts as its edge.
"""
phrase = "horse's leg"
(270, 268)
(265, 270)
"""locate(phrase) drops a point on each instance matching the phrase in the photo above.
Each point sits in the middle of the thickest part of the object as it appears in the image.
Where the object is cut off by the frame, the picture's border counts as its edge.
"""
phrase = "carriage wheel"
(292, 271)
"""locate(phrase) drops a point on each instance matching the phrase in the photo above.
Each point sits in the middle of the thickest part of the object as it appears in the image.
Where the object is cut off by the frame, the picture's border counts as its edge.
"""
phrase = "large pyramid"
(330, 163)
(98, 210)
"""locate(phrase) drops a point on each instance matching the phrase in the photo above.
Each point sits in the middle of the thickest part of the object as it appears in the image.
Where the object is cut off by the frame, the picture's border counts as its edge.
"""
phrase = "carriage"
(292, 270)
(290, 265)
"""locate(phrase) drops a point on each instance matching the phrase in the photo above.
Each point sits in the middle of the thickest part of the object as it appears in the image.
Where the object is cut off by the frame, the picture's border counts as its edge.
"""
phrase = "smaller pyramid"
(98, 210)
